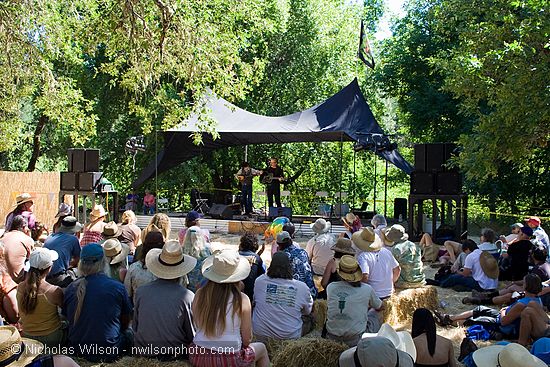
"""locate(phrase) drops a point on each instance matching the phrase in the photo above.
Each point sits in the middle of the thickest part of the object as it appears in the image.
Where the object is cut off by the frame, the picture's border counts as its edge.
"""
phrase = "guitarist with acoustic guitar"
(272, 177)
(245, 176)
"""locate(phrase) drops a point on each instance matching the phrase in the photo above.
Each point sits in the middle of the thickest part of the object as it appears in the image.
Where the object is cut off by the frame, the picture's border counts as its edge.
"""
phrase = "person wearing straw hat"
(379, 267)
(352, 304)
(342, 247)
(98, 310)
(17, 247)
(117, 255)
(38, 301)
(277, 293)
(408, 255)
(64, 211)
(169, 323)
(319, 247)
(65, 243)
(431, 349)
(352, 223)
(509, 355)
(24, 205)
(223, 314)
(301, 269)
(111, 230)
(93, 231)
(375, 352)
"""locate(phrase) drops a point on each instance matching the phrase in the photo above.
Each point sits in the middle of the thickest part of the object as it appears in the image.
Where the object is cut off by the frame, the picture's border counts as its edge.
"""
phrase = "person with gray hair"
(378, 222)
(93, 327)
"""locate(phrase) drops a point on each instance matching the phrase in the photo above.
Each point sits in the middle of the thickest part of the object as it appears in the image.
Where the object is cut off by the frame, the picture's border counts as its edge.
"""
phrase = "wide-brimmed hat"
(169, 262)
(64, 210)
(225, 266)
(115, 250)
(97, 212)
(510, 355)
(375, 352)
(320, 226)
(20, 351)
(395, 233)
(23, 198)
(367, 240)
(402, 340)
(69, 224)
(343, 245)
(489, 264)
(349, 218)
(348, 269)
(111, 230)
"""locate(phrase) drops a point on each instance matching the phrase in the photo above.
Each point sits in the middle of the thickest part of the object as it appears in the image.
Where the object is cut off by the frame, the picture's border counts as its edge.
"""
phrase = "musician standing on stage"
(245, 176)
(274, 188)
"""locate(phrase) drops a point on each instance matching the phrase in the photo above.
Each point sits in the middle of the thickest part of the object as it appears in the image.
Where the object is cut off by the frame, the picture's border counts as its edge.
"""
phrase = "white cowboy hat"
(402, 340)
(97, 212)
(169, 262)
(366, 240)
(115, 250)
(225, 266)
(320, 226)
(510, 355)
(21, 350)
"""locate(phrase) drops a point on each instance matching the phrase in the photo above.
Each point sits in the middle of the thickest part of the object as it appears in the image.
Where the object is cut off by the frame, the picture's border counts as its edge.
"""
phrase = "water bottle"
(400, 218)
(443, 304)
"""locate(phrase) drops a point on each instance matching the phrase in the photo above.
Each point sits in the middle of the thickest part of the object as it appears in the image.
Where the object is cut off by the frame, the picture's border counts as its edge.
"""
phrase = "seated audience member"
(195, 245)
(352, 224)
(352, 305)
(426, 340)
(408, 255)
(223, 316)
(517, 256)
(8, 300)
(192, 219)
(505, 321)
(24, 206)
(17, 247)
(18, 351)
(539, 233)
(277, 293)
(445, 271)
(480, 273)
(159, 222)
(116, 254)
(39, 234)
(64, 211)
(93, 231)
(342, 247)
(247, 247)
(375, 352)
(38, 301)
(379, 267)
(138, 274)
(318, 248)
(509, 355)
(534, 323)
(110, 230)
(129, 231)
(378, 222)
(65, 243)
(512, 237)
(92, 325)
(301, 270)
(169, 323)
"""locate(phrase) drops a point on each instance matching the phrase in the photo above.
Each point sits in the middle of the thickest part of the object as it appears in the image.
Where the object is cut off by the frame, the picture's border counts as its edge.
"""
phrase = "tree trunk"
(36, 143)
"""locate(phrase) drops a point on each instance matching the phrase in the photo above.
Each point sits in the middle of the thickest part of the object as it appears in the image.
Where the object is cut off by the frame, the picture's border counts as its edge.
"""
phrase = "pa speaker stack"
(83, 173)
(431, 175)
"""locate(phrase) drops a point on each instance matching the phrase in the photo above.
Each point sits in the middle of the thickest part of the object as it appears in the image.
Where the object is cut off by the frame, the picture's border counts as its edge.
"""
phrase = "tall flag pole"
(365, 52)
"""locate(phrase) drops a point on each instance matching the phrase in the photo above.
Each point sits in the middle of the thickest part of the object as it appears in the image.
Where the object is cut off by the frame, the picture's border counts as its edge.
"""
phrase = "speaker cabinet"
(449, 183)
(89, 181)
(77, 160)
(422, 183)
(92, 160)
(435, 157)
(420, 157)
(221, 211)
(275, 212)
(69, 181)
(399, 208)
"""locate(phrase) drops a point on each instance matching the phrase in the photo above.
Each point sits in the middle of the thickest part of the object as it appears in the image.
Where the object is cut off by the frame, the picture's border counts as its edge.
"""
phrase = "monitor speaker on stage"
(222, 211)
(275, 212)
(399, 208)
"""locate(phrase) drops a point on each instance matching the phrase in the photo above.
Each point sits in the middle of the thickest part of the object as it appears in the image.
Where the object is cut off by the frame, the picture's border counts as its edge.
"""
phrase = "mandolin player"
(272, 177)
(245, 176)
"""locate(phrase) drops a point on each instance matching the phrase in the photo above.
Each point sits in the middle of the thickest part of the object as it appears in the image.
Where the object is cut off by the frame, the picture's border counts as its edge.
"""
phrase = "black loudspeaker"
(435, 157)
(449, 183)
(422, 183)
(69, 181)
(89, 181)
(221, 211)
(76, 160)
(275, 212)
(420, 157)
(91, 162)
(399, 208)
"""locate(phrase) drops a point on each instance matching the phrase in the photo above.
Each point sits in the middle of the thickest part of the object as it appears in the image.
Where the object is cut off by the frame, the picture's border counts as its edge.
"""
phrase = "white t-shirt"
(472, 263)
(319, 252)
(279, 305)
(348, 307)
(379, 266)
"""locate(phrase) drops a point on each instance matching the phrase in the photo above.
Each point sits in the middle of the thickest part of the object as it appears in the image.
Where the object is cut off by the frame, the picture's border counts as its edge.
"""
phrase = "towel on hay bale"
(308, 352)
(398, 309)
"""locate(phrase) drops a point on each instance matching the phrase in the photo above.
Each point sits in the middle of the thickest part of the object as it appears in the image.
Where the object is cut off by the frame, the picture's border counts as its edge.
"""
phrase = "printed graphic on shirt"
(342, 300)
(281, 295)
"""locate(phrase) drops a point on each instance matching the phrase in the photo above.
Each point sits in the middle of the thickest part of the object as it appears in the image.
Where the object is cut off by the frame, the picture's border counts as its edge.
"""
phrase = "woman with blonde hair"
(131, 234)
(93, 231)
(223, 316)
(194, 244)
(159, 222)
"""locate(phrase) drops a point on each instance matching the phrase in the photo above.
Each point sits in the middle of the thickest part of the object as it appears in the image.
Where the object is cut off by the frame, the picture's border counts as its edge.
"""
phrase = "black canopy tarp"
(345, 116)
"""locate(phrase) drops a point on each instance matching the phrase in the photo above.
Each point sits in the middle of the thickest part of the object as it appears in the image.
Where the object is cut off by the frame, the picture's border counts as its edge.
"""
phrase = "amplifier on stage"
(275, 212)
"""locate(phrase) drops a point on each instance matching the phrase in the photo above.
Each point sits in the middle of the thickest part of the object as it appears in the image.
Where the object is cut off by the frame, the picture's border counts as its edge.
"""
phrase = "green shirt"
(409, 256)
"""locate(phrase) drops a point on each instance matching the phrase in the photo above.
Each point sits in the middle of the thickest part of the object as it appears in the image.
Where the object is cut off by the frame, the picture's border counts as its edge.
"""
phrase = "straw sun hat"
(348, 269)
(225, 266)
(115, 250)
(20, 351)
(393, 234)
(366, 240)
(489, 264)
(343, 245)
(169, 262)
(23, 198)
(510, 355)
(97, 212)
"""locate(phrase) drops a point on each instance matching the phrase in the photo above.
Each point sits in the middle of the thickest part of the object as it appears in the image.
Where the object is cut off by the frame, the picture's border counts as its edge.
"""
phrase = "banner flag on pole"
(365, 52)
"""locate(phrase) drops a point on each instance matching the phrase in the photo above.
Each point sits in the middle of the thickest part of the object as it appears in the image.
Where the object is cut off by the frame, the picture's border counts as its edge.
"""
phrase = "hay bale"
(309, 352)
(133, 361)
(398, 309)
(273, 346)
(320, 309)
